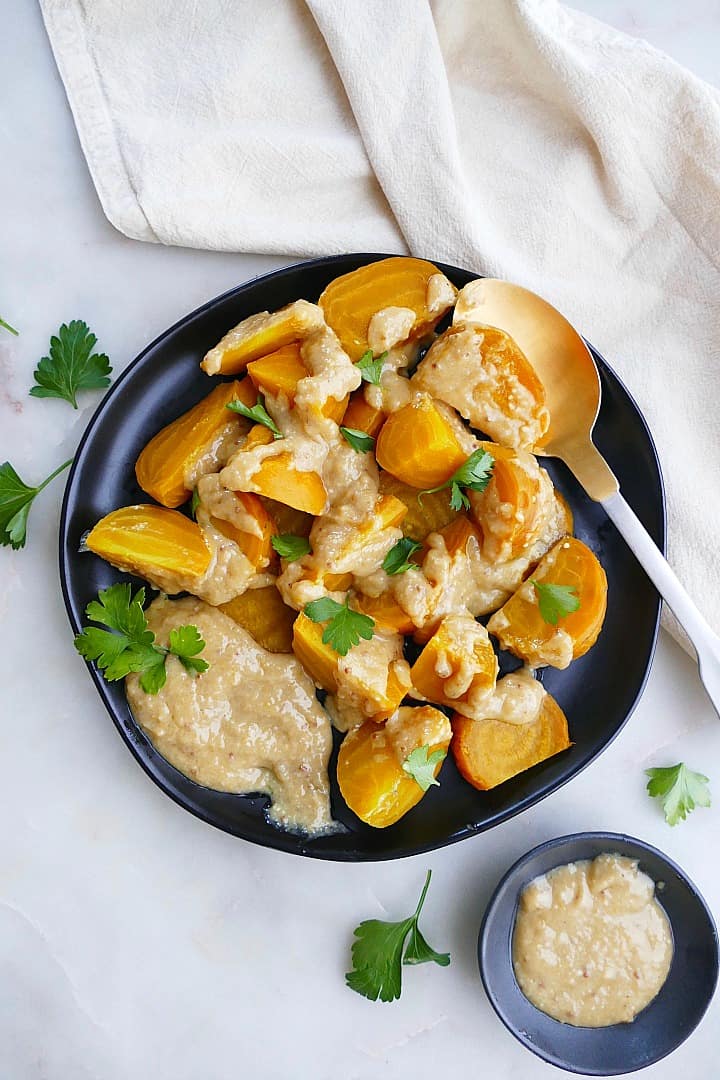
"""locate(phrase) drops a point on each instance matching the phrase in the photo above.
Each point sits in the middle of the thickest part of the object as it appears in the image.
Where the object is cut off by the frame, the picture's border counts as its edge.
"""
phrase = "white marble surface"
(134, 940)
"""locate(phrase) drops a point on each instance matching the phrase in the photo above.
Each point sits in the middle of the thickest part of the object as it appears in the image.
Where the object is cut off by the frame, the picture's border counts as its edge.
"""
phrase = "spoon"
(568, 372)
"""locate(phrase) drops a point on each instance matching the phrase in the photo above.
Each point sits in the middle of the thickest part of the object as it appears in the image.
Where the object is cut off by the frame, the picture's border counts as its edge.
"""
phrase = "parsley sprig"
(371, 367)
(475, 474)
(556, 601)
(420, 764)
(9, 328)
(258, 413)
(344, 627)
(128, 645)
(71, 365)
(396, 560)
(16, 498)
(291, 547)
(360, 441)
(679, 789)
(377, 954)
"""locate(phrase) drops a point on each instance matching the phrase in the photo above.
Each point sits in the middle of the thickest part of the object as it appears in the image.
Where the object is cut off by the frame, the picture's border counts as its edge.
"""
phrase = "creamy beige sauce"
(591, 945)
(362, 678)
(218, 452)
(518, 699)
(440, 294)
(455, 664)
(389, 327)
(416, 725)
(301, 315)
(456, 370)
(250, 723)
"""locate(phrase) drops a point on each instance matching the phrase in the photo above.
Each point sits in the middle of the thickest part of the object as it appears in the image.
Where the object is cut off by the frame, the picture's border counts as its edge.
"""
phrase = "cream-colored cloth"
(514, 137)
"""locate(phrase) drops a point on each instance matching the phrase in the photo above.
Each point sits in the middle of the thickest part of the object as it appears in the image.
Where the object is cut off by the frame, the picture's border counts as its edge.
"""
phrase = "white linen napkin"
(514, 137)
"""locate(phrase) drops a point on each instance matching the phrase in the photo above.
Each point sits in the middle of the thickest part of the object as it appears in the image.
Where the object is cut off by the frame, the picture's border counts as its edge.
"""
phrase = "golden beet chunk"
(360, 416)
(368, 681)
(489, 752)
(161, 545)
(264, 615)
(510, 511)
(386, 612)
(166, 461)
(458, 666)
(261, 334)
(277, 478)
(482, 373)
(422, 518)
(350, 302)
(279, 373)
(418, 445)
(368, 541)
(370, 763)
(255, 530)
(519, 624)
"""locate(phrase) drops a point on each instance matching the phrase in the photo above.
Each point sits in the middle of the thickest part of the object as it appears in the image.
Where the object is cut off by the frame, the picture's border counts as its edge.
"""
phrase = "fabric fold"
(516, 138)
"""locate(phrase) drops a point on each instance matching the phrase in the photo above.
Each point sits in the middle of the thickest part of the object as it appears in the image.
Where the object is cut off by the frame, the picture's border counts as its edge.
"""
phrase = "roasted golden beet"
(377, 687)
(164, 463)
(418, 445)
(264, 615)
(277, 479)
(422, 518)
(482, 373)
(508, 511)
(458, 666)
(350, 301)
(319, 660)
(387, 514)
(370, 774)
(386, 612)
(363, 417)
(150, 540)
(256, 545)
(287, 518)
(261, 334)
(488, 752)
(280, 372)
(520, 627)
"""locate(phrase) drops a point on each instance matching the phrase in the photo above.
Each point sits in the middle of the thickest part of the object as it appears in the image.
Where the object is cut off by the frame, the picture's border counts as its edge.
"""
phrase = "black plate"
(597, 692)
(669, 1018)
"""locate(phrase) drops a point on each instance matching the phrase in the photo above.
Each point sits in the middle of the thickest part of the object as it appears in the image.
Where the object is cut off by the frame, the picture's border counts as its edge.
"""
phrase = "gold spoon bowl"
(568, 372)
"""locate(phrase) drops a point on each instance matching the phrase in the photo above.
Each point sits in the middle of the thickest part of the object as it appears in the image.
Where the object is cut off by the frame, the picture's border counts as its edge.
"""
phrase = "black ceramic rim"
(499, 902)
(331, 847)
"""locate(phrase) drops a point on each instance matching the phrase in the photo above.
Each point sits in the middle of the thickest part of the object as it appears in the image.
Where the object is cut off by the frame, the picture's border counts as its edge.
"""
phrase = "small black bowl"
(669, 1018)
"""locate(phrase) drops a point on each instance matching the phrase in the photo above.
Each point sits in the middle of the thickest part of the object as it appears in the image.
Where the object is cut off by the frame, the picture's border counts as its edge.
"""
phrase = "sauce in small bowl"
(684, 966)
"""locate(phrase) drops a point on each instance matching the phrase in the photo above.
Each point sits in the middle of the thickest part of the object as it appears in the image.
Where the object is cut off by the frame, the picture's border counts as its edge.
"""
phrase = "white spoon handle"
(705, 641)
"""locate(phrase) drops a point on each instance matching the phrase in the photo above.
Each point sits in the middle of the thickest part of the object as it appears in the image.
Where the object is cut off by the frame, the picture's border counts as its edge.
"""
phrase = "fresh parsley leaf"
(8, 327)
(129, 645)
(258, 413)
(420, 764)
(185, 642)
(396, 560)
(475, 474)
(556, 601)
(291, 547)
(679, 789)
(360, 441)
(377, 954)
(344, 627)
(194, 503)
(419, 952)
(371, 367)
(16, 498)
(72, 365)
